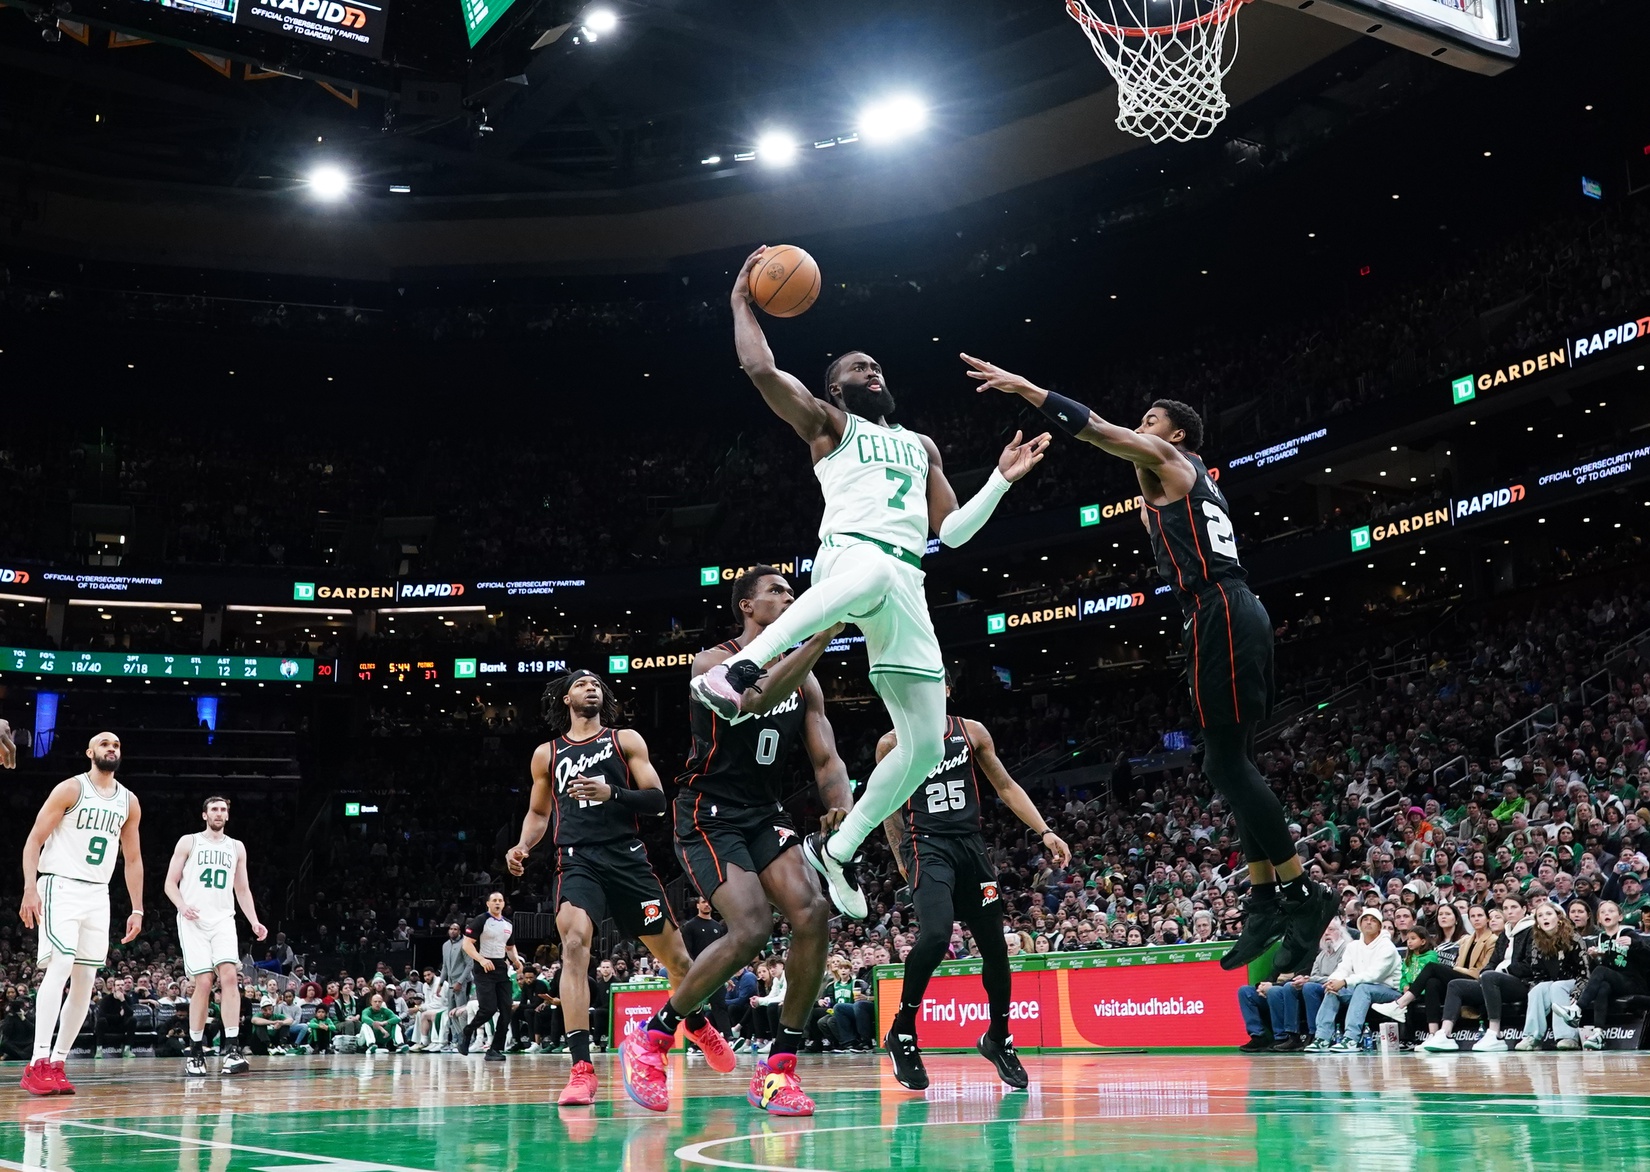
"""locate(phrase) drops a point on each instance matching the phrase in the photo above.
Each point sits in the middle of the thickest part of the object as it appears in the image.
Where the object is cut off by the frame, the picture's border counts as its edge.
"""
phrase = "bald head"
(103, 750)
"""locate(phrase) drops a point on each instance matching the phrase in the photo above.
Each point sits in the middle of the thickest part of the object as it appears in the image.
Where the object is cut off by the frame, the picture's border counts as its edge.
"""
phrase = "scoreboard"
(354, 26)
(117, 664)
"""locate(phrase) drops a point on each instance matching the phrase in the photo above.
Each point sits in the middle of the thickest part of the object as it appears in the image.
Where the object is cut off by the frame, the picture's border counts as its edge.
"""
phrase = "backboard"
(1478, 35)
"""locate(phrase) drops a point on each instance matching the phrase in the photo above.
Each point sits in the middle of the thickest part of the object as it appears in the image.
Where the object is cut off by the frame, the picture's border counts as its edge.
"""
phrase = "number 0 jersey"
(876, 485)
(208, 882)
(1193, 541)
(948, 800)
(582, 823)
(743, 763)
(84, 844)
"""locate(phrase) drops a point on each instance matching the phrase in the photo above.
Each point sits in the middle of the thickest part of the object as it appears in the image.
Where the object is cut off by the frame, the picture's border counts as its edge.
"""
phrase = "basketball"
(786, 282)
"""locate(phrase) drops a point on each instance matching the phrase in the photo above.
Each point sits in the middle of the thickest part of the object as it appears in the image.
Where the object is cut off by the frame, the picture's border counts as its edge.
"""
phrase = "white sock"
(74, 1009)
(49, 1001)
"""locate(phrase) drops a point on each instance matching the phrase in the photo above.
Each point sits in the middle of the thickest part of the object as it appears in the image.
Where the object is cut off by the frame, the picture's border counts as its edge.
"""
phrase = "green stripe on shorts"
(927, 673)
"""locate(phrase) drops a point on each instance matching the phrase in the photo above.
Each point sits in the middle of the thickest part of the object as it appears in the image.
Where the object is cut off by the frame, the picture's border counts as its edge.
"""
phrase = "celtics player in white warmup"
(68, 860)
(884, 489)
(206, 878)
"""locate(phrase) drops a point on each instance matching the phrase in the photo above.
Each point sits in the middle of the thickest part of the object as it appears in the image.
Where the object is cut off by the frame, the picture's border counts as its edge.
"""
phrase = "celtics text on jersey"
(85, 842)
(208, 882)
(875, 484)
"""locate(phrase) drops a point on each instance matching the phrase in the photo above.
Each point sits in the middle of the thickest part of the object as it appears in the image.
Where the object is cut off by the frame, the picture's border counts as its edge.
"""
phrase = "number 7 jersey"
(875, 484)
(1193, 541)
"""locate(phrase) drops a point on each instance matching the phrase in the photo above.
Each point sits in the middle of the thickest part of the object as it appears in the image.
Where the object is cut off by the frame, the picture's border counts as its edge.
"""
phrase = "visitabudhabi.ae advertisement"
(1082, 1001)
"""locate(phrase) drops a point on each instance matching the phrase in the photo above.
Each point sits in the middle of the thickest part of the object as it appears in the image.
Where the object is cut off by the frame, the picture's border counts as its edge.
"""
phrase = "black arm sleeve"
(1071, 415)
(642, 801)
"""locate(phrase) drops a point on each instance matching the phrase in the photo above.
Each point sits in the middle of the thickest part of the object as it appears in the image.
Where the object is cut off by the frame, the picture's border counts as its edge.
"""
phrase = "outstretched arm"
(1015, 798)
(813, 419)
(830, 774)
(956, 523)
(1148, 451)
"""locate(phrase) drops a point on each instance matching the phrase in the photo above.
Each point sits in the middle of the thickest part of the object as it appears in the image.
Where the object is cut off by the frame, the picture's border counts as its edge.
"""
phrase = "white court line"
(694, 1153)
(291, 1156)
(15, 1167)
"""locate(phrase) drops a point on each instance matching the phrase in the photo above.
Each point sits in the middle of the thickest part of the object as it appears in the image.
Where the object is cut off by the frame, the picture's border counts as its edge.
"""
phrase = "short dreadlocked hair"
(560, 718)
(1185, 417)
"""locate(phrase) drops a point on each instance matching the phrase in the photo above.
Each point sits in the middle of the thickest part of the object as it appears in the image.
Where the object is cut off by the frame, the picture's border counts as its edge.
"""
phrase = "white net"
(1168, 58)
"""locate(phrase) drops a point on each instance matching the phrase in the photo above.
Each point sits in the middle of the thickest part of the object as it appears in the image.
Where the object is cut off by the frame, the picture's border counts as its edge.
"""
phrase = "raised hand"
(992, 377)
(1019, 458)
(742, 283)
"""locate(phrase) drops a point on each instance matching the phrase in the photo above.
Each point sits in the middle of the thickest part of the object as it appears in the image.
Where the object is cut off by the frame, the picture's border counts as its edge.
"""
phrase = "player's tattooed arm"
(537, 821)
(830, 774)
(815, 420)
(893, 826)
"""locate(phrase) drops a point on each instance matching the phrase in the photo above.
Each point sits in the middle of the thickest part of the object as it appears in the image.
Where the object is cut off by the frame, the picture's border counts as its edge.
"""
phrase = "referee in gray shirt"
(486, 942)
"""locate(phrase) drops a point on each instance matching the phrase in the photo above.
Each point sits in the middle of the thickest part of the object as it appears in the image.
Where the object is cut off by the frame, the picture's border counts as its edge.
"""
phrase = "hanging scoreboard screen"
(118, 664)
(352, 26)
(481, 15)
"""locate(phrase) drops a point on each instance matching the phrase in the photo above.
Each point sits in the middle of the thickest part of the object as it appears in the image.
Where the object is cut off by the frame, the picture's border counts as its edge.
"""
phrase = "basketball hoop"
(1168, 58)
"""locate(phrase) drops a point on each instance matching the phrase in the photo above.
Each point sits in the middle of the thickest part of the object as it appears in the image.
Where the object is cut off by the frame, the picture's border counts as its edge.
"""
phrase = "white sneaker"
(1440, 1043)
(842, 879)
(535, 1048)
(1489, 1044)
(1527, 1043)
(1391, 1009)
(1569, 1011)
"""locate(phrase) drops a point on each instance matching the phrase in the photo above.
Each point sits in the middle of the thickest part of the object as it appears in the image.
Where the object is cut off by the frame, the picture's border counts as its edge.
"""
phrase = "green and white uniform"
(208, 885)
(875, 485)
(76, 864)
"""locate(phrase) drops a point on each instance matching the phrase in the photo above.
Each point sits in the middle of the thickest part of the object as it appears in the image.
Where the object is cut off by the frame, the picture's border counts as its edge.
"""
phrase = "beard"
(588, 709)
(108, 763)
(867, 404)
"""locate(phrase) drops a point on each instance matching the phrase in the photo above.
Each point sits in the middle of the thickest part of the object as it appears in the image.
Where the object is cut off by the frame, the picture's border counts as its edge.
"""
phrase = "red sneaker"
(37, 1078)
(642, 1063)
(581, 1087)
(64, 1086)
(717, 1051)
(776, 1089)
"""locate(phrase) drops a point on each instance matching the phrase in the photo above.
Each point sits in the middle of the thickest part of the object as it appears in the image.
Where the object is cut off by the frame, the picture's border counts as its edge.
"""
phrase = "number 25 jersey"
(1193, 541)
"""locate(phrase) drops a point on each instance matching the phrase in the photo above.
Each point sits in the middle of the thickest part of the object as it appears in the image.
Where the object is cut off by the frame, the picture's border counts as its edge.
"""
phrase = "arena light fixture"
(328, 182)
(600, 21)
(893, 118)
(777, 148)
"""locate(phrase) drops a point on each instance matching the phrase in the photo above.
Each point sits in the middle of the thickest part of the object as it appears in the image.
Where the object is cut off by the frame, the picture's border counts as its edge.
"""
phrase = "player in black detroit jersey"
(941, 852)
(1228, 641)
(590, 781)
(734, 840)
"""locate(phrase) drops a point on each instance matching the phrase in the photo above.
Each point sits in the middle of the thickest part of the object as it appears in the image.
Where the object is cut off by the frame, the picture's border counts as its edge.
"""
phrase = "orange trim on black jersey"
(1191, 523)
(1231, 653)
(555, 805)
(716, 860)
(1163, 535)
(973, 771)
(1197, 690)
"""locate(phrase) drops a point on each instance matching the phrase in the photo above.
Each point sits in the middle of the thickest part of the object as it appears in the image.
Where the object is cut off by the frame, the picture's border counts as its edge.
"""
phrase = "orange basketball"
(786, 282)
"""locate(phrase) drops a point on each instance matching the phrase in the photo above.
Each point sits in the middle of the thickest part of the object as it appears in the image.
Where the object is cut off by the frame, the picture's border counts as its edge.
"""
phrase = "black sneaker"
(1006, 1059)
(495, 1055)
(909, 1071)
(1258, 1044)
(1308, 917)
(841, 879)
(1264, 921)
(234, 1063)
(1289, 1044)
(194, 1066)
(464, 1042)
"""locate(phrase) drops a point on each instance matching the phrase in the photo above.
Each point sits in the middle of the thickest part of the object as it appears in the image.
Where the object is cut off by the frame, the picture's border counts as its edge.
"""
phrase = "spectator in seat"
(16, 1033)
(116, 1018)
(1367, 974)
(380, 1027)
(268, 1028)
(322, 1029)
(765, 1009)
(1286, 1000)
(1505, 975)
(1621, 968)
(1462, 951)
(1559, 964)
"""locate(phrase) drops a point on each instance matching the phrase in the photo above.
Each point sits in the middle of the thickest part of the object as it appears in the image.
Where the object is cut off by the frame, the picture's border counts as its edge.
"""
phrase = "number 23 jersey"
(1193, 541)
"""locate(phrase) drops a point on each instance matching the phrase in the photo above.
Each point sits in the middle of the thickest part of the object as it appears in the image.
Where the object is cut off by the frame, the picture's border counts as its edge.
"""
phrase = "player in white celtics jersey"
(206, 878)
(68, 861)
(884, 489)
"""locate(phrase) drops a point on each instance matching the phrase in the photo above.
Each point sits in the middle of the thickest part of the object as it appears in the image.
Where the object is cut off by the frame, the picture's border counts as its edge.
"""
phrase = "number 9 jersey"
(84, 844)
(1228, 634)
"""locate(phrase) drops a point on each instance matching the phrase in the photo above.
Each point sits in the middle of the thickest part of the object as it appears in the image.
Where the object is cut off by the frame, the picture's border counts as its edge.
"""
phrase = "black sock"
(578, 1041)
(666, 1020)
(1261, 892)
(695, 1020)
(905, 1021)
(786, 1041)
(1293, 889)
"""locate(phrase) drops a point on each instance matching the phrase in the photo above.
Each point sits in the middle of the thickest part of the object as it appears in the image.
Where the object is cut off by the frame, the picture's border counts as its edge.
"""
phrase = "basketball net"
(1168, 58)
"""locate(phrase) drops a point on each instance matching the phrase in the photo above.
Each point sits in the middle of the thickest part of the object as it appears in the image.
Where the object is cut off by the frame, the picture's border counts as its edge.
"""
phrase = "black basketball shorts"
(957, 862)
(613, 879)
(1228, 641)
(713, 835)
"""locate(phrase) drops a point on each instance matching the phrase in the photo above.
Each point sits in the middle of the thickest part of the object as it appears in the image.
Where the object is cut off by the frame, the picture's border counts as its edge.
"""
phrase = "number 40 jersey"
(1193, 541)
(208, 882)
